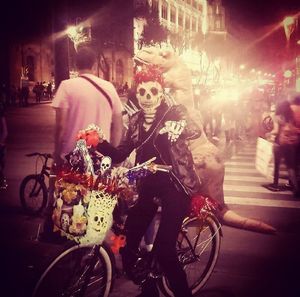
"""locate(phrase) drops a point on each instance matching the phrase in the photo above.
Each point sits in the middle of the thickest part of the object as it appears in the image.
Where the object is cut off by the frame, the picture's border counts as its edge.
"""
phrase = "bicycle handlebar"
(45, 155)
(150, 166)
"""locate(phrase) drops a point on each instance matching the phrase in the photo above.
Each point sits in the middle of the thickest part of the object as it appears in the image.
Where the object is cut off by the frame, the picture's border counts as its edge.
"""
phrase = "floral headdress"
(149, 73)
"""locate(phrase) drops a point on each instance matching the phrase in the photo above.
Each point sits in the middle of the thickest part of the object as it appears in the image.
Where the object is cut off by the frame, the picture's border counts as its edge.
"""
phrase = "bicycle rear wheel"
(198, 248)
(33, 194)
(78, 271)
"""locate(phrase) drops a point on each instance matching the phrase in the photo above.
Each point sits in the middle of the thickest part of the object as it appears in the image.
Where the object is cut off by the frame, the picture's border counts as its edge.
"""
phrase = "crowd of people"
(19, 96)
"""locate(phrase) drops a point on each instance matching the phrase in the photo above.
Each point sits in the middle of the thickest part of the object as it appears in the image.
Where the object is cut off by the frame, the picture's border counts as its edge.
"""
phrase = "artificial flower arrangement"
(87, 189)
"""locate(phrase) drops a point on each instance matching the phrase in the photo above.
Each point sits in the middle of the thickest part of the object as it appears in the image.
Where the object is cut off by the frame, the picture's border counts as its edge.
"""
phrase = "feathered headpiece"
(149, 73)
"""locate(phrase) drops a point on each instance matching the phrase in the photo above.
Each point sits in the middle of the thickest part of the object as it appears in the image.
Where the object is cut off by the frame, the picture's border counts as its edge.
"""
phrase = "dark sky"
(21, 16)
(257, 13)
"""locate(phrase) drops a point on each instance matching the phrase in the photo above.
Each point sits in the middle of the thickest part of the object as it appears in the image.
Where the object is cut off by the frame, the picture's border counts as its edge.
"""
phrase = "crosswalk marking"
(241, 177)
(248, 189)
(239, 163)
(262, 202)
(239, 170)
(259, 179)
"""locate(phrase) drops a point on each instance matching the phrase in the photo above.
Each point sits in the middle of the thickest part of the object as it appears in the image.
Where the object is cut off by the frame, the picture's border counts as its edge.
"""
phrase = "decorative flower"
(149, 73)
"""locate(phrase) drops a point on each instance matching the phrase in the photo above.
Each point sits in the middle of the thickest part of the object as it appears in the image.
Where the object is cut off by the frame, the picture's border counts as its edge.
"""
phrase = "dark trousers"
(289, 154)
(174, 205)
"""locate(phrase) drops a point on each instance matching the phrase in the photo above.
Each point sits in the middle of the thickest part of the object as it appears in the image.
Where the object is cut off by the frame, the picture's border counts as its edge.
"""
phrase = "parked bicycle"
(90, 270)
(33, 189)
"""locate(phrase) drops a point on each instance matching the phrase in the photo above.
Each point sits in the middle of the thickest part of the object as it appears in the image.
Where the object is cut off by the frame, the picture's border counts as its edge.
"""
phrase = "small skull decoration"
(65, 222)
(105, 164)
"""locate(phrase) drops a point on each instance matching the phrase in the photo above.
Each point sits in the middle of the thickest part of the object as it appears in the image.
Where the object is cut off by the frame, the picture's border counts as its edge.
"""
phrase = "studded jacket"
(176, 154)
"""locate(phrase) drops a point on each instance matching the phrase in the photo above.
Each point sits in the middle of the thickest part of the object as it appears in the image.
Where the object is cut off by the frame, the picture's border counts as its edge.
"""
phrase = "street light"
(79, 33)
(289, 26)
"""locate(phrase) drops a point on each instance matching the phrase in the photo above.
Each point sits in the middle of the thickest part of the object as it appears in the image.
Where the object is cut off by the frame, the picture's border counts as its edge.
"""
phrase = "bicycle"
(83, 270)
(33, 189)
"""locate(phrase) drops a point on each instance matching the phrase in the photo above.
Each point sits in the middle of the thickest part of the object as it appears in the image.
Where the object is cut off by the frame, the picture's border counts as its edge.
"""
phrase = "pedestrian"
(160, 131)
(36, 91)
(80, 101)
(24, 96)
(3, 137)
(49, 90)
(286, 143)
(13, 95)
(125, 88)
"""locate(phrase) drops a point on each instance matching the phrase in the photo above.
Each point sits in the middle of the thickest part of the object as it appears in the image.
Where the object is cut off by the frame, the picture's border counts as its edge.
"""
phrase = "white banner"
(264, 161)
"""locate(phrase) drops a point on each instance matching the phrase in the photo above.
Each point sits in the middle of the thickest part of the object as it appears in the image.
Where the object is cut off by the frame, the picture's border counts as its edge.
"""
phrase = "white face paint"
(149, 95)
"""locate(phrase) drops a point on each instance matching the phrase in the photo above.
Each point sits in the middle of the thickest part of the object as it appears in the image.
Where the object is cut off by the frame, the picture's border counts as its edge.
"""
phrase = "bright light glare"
(289, 20)
(72, 31)
(298, 84)
(287, 73)
(226, 94)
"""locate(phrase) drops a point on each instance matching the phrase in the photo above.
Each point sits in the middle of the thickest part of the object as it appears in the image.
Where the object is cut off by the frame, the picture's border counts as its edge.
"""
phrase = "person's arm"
(121, 152)
(192, 129)
(116, 129)
(60, 126)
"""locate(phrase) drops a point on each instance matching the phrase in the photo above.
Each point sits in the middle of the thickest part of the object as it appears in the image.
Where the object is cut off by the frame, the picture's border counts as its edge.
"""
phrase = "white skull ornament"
(105, 164)
(149, 95)
(65, 221)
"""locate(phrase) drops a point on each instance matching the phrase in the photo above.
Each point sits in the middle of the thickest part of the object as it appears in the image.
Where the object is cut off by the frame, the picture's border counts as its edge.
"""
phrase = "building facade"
(189, 18)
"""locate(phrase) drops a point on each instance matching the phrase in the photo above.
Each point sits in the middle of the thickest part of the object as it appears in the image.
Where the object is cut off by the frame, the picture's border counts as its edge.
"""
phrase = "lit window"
(155, 5)
(164, 11)
(180, 19)
(173, 14)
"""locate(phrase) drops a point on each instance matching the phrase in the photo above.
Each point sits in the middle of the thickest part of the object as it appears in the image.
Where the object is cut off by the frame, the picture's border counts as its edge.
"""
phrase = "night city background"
(244, 58)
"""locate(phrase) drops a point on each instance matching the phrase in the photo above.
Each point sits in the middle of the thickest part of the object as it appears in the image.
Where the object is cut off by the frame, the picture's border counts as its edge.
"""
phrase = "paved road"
(250, 264)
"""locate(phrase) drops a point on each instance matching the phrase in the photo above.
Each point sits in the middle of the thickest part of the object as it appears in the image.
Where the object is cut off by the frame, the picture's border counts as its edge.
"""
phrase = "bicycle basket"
(81, 214)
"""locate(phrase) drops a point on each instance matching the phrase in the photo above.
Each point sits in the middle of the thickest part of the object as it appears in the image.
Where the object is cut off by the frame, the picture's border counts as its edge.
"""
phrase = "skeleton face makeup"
(149, 95)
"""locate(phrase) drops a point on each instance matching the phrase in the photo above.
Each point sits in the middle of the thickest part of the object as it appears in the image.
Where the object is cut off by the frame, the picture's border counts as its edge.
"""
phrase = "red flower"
(149, 73)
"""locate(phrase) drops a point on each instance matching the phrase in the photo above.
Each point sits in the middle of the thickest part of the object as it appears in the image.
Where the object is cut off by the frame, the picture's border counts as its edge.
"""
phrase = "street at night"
(205, 93)
(250, 263)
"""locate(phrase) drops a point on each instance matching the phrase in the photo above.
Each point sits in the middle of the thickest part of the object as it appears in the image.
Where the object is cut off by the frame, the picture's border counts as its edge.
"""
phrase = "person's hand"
(174, 129)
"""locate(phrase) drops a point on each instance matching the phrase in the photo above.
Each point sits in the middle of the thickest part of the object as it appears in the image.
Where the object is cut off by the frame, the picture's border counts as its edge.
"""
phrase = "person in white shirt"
(79, 102)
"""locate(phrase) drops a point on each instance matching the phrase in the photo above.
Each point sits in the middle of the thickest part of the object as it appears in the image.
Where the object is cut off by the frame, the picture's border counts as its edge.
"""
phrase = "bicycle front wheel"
(79, 271)
(198, 247)
(33, 194)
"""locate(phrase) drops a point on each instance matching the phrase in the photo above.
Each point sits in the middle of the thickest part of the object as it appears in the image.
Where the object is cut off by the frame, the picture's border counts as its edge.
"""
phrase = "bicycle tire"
(204, 236)
(33, 194)
(75, 273)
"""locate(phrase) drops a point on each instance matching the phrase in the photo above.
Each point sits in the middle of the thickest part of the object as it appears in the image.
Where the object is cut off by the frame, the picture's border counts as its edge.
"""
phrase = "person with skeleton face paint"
(160, 131)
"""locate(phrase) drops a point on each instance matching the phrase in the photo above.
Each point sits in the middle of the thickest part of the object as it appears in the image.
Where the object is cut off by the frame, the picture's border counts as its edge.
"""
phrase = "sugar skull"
(149, 88)
(149, 95)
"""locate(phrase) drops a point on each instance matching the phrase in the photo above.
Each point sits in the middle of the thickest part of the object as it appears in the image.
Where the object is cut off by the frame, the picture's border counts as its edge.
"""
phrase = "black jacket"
(176, 154)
